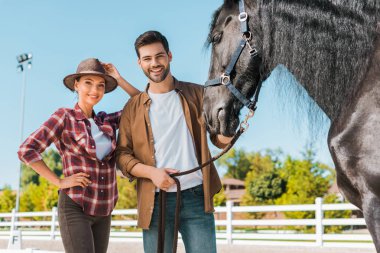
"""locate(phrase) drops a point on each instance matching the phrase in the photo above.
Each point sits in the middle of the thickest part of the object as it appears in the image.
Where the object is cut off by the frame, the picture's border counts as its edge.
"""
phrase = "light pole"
(15, 236)
(23, 59)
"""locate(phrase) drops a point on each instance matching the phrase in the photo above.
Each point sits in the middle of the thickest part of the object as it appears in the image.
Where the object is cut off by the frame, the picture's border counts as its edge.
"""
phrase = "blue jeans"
(196, 227)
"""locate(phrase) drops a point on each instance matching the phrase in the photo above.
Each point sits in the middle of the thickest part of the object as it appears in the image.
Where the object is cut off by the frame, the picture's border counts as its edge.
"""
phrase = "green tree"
(220, 198)
(127, 194)
(237, 162)
(37, 193)
(306, 180)
(28, 175)
(260, 164)
(267, 187)
(53, 160)
(39, 197)
(127, 197)
(7, 200)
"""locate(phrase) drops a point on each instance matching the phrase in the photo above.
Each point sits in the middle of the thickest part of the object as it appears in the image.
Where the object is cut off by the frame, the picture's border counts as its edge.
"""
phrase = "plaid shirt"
(70, 131)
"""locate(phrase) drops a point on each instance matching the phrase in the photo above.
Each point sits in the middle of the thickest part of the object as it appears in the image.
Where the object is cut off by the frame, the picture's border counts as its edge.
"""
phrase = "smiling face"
(90, 89)
(155, 61)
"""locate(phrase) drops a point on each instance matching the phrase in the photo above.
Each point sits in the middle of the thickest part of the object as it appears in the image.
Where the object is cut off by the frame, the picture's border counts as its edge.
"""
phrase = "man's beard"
(158, 79)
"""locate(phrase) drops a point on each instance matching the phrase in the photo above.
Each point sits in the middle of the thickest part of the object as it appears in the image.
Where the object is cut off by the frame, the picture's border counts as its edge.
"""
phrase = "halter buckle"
(225, 79)
(247, 36)
(253, 52)
(243, 16)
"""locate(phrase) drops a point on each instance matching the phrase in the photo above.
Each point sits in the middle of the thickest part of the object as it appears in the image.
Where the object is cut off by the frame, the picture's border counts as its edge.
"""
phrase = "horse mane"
(326, 45)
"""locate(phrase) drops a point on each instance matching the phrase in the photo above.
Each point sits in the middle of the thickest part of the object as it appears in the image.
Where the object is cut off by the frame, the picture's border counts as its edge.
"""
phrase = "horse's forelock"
(212, 26)
(230, 3)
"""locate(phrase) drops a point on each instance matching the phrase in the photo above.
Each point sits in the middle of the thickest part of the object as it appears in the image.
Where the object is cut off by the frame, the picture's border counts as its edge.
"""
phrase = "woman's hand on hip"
(79, 179)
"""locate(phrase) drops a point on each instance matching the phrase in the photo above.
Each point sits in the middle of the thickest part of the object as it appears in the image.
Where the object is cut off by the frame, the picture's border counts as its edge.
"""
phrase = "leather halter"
(225, 78)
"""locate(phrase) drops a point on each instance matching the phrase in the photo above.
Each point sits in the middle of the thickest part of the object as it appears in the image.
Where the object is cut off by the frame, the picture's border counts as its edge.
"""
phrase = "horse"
(332, 47)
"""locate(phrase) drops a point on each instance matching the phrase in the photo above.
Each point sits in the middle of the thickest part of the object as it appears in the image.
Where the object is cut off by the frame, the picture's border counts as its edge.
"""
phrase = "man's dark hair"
(151, 37)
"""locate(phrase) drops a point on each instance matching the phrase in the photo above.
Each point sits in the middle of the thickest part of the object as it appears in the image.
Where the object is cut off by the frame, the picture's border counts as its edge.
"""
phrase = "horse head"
(221, 108)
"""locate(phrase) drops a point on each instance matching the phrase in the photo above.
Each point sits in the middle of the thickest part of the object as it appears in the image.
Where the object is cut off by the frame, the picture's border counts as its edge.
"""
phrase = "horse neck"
(326, 46)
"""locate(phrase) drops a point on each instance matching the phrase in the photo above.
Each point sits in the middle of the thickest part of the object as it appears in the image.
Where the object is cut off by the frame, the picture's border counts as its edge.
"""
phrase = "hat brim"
(111, 82)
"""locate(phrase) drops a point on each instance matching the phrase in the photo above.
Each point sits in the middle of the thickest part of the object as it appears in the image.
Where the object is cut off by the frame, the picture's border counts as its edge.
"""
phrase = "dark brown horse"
(332, 47)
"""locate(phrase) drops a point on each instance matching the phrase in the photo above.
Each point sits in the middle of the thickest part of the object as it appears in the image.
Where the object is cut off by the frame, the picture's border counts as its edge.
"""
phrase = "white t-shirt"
(102, 142)
(173, 144)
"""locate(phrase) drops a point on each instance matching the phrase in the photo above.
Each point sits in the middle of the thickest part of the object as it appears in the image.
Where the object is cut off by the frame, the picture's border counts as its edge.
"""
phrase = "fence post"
(229, 204)
(318, 222)
(13, 220)
(53, 220)
(15, 239)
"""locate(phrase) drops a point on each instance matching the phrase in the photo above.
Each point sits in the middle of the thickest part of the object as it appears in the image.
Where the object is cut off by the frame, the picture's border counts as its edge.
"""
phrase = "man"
(162, 131)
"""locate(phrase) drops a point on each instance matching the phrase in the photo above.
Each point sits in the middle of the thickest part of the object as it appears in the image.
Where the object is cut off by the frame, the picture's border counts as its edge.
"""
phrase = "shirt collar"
(146, 96)
(78, 113)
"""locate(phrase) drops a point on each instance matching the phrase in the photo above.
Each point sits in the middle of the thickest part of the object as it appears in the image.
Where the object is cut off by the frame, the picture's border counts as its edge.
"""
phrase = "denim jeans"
(82, 233)
(196, 227)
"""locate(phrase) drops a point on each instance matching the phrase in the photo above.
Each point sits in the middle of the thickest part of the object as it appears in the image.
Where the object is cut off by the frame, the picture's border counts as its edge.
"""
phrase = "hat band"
(91, 72)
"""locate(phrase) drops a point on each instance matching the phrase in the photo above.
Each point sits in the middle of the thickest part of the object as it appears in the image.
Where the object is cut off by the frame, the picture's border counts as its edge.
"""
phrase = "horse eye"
(216, 38)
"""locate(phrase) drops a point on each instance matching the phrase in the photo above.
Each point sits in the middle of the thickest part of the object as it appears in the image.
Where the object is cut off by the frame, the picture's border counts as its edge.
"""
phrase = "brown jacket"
(135, 145)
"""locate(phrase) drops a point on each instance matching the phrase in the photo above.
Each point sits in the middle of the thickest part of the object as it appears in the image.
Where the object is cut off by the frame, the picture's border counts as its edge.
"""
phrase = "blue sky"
(62, 33)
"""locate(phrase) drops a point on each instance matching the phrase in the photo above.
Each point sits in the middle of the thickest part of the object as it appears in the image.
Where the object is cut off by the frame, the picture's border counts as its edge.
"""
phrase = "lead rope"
(162, 194)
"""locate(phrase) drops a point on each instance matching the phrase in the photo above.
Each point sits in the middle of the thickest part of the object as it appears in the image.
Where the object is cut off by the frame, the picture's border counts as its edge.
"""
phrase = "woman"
(86, 142)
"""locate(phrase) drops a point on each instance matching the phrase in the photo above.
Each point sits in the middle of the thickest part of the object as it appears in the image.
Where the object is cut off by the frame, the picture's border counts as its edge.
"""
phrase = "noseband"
(225, 78)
